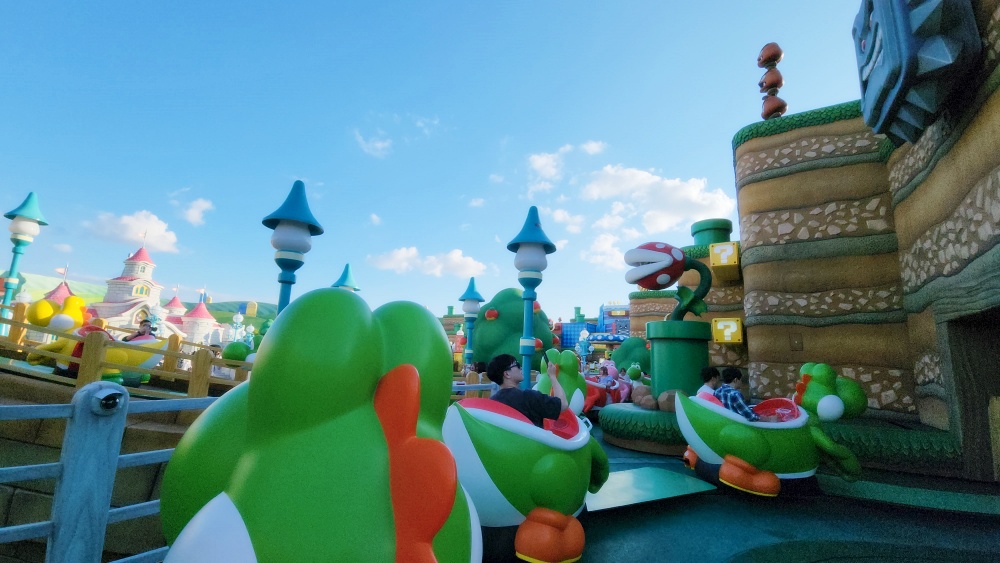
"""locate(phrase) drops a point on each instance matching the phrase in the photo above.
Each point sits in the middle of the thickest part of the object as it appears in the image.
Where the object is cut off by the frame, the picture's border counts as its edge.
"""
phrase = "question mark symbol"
(724, 251)
(728, 328)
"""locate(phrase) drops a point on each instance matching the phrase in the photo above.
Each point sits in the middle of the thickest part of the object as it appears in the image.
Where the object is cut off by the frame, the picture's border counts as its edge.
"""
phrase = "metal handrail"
(91, 454)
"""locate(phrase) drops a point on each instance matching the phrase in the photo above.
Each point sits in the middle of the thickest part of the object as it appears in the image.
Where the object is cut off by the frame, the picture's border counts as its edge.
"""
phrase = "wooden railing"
(193, 382)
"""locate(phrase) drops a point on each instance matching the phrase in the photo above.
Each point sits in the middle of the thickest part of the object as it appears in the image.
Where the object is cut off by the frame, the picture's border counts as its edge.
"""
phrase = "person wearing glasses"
(505, 371)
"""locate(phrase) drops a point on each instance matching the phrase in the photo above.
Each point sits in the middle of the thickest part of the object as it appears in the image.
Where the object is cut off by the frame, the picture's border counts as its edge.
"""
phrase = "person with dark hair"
(729, 394)
(505, 371)
(145, 329)
(710, 379)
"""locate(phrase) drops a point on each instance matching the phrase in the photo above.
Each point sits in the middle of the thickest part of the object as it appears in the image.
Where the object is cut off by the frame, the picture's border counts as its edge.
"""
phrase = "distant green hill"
(223, 311)
(38, 285)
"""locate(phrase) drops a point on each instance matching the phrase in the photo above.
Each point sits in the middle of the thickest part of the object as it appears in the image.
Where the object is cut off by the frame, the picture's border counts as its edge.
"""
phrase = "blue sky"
(422, 130)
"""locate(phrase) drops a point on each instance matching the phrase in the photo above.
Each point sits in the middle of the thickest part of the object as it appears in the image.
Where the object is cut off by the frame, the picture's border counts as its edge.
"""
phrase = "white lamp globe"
(530, 256)
(291, 236)
(584, 334)
(25, 227)
(23, 297)
(237, 318)
(470, 306)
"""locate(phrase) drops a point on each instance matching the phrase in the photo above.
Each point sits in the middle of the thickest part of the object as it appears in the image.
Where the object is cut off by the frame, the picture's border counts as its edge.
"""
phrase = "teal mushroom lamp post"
(530, 247)
(25, 224)
(346, 281)
(470, 306)
(294, 226)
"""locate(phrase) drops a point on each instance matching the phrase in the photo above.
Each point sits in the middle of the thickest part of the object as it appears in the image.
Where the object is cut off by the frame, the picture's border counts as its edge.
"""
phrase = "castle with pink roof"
(134, 296)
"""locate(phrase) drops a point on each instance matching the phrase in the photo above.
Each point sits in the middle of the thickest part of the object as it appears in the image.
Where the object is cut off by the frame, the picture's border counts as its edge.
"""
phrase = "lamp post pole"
(470, 306)
(582, 346)
(294, 226)
(530, 247)
(25, 224)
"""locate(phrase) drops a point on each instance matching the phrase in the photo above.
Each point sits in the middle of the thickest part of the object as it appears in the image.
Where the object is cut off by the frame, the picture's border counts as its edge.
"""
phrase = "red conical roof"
(60, 293)
(141, 256)
(200, 311)
(175, 303)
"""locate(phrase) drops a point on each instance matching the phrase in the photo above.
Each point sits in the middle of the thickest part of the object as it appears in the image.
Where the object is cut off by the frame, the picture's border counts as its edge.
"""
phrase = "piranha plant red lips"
(655, 265)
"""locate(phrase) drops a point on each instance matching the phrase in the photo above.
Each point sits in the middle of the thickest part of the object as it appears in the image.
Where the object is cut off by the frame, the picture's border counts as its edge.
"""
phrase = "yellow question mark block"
(724, 259)
(727, 331)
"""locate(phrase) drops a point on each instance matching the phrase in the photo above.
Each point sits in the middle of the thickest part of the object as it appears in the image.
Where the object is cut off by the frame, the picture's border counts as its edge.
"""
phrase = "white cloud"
(496, 178)
(604, 252)
(130, 229)
(63, 247)
(666, 203)
(561, 244)
(175, 193)
(195, 212)
(593, 147)
(426, 124)
(477, 202)
(548, 166)
(574, 223)
(376, 220)
(540, 186)
(378, 145)
(453, 263)
(629, 233)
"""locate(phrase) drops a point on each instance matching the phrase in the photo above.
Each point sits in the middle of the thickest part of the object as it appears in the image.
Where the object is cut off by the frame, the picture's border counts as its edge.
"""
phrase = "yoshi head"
(828, 395)
(570, 378)
(634, 372)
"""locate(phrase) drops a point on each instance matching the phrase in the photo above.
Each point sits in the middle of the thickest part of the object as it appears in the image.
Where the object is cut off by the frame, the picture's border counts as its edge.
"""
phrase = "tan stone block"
(933, 412)
(822, 274)
(813, 188)
(6, 494)
(51, 432)
(134, 484)
(972, 157)
(134, 536)
(14, 453)
(922, 332)
(29, 506)
(20, 430)
(875, 344)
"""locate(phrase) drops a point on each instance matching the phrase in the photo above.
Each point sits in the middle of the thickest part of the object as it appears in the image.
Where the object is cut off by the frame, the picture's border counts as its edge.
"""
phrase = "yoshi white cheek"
(216, 533)
(830, 408)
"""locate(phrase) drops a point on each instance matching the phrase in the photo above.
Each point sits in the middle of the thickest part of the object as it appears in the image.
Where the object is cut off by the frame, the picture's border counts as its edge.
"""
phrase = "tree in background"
(633, 349)
(499, 326)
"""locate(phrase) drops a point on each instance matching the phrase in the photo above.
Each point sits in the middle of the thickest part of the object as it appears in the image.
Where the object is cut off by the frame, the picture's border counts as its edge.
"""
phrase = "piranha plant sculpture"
(757, 457)
(678, 348)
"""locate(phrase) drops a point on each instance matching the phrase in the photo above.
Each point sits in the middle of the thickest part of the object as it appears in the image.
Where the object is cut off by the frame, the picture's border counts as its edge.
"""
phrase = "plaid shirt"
(732, 400)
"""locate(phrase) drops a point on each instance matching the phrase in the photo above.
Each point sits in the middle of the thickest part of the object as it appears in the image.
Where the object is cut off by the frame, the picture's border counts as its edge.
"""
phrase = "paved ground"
(805, 529)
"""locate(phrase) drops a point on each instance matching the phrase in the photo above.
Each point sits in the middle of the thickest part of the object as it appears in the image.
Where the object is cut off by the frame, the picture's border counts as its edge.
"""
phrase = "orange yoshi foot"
(741, 475)
(690, 458)
(547, 536)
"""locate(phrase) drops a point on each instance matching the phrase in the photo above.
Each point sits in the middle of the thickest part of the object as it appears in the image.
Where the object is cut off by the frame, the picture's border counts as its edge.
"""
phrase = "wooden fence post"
(89, 461)
(91, 359)
(201, 369)
(16, 334)
(173, 345)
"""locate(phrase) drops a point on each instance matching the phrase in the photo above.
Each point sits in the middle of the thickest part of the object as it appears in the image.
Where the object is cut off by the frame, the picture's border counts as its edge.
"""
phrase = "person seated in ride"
(505, 371)
(729, 395)
(710, 377)
(145, 329)
(606, 378)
